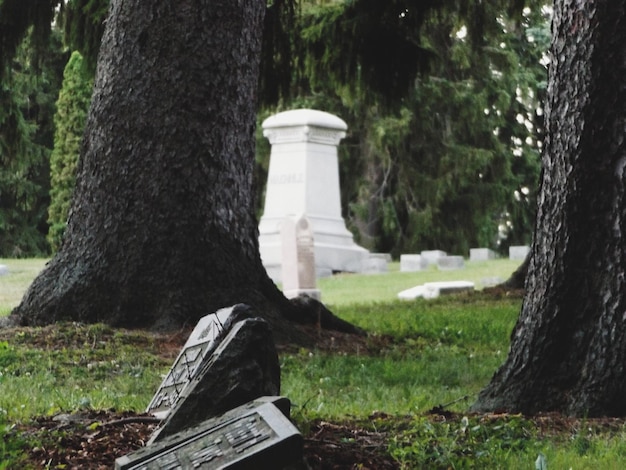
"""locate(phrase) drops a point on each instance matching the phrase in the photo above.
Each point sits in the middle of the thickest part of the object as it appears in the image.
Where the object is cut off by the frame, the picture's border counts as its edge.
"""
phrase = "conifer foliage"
(69, 120)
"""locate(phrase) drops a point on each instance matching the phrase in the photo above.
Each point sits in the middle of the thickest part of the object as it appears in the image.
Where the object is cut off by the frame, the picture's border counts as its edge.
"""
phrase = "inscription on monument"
(286, 178)
(250, 436)
(186, 364)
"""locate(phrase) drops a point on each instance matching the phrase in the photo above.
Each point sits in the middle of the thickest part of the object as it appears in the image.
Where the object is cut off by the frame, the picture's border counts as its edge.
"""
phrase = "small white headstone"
(481, 254)
(374, 265)
(3, 269)
(431, 256)
(447, 263)
(298, 263)
(409, 263)
(518, 252)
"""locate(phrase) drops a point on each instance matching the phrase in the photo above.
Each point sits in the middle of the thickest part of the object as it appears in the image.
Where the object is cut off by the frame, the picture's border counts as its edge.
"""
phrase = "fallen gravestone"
(256, 435)
(241, 365)
(201, 342)
(432, 290)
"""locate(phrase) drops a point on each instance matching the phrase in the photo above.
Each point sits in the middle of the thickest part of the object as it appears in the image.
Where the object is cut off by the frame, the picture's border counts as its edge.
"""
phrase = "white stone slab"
(448, 263)
(303, 178)
(4, 269)
(481, 254)
(186, 364)
(410, 263)
(518, 252)
(432, 290)
(431, 256)
(491, 281)
(412, 293)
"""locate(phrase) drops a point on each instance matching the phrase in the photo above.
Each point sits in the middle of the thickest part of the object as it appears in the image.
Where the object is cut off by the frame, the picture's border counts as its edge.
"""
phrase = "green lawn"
(435, 352)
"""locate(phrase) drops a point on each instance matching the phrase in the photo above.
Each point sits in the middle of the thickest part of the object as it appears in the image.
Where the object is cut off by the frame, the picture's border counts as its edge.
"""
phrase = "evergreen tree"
(27, 93)
(70, 117)
(456, 154)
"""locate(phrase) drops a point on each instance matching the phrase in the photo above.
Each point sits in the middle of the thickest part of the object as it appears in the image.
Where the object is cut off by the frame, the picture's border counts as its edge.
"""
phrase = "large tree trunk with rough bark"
(568, 349)
(161, 228)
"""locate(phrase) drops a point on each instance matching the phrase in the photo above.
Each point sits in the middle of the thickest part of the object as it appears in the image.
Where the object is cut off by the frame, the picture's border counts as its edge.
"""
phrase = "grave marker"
(198, 345)
(447, 263)
(298, 262)
(303, 178)
(254, 435)
(242, 366)
(481, 254)
(518, 252)
(410, 263)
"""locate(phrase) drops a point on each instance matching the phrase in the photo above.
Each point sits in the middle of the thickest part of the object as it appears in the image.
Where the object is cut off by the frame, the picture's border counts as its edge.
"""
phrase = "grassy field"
(435, 353)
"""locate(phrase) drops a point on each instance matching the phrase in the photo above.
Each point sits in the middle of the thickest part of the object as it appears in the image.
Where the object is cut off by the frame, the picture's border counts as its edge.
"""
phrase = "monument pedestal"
(303, 180)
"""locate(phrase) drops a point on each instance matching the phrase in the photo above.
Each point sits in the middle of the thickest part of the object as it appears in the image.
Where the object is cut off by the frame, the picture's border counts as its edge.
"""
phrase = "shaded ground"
(94, 439)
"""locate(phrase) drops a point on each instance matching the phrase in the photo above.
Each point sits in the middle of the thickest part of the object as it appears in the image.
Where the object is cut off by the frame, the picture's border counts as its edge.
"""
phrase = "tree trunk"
(568, 349)
(161, 228)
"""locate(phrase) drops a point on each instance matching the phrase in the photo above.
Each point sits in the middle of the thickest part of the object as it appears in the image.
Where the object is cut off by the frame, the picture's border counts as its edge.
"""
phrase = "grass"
(437, 353)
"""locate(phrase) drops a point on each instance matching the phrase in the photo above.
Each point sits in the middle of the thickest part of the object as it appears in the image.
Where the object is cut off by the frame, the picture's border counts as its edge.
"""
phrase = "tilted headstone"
(298, 263)
(241, 367)
(447, 263)
(481, 254)
(303, 178)
(198, 345)
(256, 435)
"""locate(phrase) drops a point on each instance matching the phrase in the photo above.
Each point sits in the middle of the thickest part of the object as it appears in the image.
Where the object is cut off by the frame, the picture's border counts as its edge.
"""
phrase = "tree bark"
(161, 229)
(568, 349)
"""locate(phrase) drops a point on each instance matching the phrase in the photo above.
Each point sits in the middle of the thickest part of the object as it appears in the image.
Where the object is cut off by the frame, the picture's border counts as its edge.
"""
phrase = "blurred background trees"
(443, 101)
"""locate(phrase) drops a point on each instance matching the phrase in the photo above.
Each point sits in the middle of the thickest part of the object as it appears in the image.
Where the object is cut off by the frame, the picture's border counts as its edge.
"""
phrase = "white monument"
(303, 180)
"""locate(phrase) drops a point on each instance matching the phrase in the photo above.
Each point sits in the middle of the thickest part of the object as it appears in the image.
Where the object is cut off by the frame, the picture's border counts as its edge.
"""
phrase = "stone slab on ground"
(242, 367)
(255, 435)
(432, 290)
(198, 345)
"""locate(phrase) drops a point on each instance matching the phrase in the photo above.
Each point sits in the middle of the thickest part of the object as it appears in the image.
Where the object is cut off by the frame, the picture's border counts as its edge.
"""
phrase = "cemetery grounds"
(73, 396)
